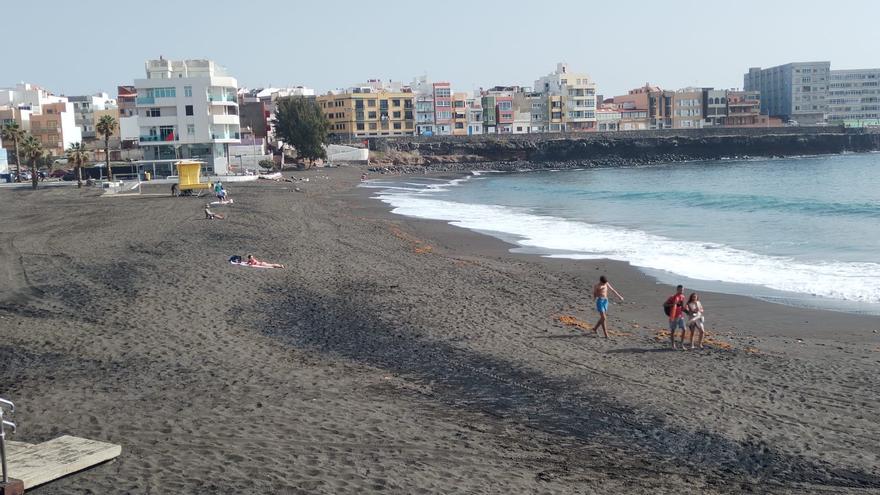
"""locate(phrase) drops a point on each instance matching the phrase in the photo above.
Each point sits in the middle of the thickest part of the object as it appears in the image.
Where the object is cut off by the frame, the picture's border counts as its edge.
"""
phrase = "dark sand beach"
(395, 355)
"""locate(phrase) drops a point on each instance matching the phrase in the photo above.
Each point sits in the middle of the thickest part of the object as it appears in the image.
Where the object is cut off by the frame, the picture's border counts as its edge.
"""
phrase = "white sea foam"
(566, 238)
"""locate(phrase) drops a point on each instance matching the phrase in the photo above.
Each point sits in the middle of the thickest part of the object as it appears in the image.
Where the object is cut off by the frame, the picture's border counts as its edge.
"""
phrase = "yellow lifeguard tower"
(189, 179)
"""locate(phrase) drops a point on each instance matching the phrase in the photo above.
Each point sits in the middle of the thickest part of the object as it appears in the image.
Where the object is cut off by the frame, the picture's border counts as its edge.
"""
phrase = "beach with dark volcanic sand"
(397, 355)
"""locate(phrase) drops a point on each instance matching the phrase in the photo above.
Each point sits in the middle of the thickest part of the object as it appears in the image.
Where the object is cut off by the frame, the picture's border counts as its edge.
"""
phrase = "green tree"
(105, 127)
(77, 155)
(12, 132)
(299, 122)
(33, 152)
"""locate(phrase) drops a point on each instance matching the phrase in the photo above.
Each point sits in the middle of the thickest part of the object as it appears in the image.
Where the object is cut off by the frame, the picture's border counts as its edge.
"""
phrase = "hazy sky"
(85, 46)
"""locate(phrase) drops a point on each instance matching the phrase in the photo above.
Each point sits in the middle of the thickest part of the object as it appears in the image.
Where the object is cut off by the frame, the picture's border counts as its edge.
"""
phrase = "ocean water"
(801, 231)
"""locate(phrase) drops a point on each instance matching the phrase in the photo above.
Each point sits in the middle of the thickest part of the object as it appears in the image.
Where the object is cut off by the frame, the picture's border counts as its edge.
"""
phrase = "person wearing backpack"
(674, 308)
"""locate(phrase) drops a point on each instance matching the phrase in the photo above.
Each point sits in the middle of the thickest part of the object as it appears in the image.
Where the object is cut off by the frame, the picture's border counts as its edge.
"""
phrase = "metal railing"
(4, 404)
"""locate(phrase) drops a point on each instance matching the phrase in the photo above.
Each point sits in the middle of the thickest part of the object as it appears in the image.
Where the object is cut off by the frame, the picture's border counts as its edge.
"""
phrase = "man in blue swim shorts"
(600, 292)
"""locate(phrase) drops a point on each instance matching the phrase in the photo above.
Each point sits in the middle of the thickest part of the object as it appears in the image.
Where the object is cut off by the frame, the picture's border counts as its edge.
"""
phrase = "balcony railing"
(146, 100)
(230, 98)
(156, 139)
(232, 135)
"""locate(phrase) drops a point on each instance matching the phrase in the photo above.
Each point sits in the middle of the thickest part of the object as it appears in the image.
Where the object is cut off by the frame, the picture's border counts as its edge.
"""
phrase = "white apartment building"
(579, 97)
(84, 108)
(188, 109)
(854, 97)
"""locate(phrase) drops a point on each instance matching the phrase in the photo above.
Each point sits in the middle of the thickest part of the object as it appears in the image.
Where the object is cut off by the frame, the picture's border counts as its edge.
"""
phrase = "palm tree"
(77, 155)
(33, 151)
(12, 132)
(105, 127)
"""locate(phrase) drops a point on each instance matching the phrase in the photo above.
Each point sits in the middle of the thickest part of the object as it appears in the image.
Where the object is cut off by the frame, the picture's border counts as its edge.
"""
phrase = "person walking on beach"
(674, 307)
(600, 292)
(218, 186)
(696, 320)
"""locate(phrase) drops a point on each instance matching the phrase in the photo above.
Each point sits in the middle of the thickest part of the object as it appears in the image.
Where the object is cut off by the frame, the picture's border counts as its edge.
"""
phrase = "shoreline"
(826, 311)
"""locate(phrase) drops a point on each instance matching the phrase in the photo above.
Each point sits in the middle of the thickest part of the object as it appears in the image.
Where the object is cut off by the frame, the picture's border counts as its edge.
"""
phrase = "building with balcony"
(854, 97)
(443, 118)
(796, 91)
(55, 127)
(370, 111)
(459, 114)
(687, 108)
(577, 99)
(474, 116)
(188, 109)
(714, 107)
(84, 108)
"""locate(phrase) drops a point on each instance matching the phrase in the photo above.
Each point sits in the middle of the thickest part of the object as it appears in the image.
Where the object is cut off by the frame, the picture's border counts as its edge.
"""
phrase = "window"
(371, 103)
(360, 126)
(359, 104)
(371, 115)
(190, 130)
(397, 125)
(395, 102)
(189, 109)
(373, 126)
(396, 115)
(153, 112)
(164, 93)
(188, 91)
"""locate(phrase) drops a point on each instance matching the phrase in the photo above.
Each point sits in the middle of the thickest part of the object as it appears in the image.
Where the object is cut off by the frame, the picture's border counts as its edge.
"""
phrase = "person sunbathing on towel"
(255, 262)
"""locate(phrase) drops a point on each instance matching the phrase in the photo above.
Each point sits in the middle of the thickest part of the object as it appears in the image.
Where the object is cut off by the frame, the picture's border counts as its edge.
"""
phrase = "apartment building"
(795, 91)
(714, 107)
(577, 93)
(474, 116)
(459, 114)
(55, 127)
(370, 111)
(687, 108)
(84, 108)
(442, 92)
(188, 109)
(854, 97)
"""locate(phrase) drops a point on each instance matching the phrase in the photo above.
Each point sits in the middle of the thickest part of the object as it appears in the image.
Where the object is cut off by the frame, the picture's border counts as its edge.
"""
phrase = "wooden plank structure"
(36, 464)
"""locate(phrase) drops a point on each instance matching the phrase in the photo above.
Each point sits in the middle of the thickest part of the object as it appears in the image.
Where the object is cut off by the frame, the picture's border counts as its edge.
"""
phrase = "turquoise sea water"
(803, 231)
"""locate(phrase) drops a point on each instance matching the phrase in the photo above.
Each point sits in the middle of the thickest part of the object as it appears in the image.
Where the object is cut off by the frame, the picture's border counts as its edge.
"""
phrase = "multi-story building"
(55, 127)
(474, 116)
(498, 119)
(714, 107)
(442, 108)
(578, 92)
(459, 114)
(854, 97)
(490, 121)
(654, 102)
(126, 101)
(188, 109)
(370, 111)
(529, 111)
(84, 108)
(608, 118)
(687, 109)
(795, 91)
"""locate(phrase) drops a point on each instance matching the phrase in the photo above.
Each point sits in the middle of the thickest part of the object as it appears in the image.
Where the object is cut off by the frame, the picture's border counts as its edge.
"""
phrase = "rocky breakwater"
(511, 152)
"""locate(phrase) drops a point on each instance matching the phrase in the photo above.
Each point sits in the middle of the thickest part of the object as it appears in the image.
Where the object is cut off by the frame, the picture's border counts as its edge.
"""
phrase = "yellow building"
(369, 114)
(459, 114)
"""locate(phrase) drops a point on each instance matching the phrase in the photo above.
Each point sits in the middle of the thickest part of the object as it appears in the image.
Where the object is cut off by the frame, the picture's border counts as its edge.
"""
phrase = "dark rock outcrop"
(614, 149)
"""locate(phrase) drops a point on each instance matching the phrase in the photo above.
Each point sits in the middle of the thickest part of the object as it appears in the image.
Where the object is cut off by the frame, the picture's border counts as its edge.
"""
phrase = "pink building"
(443, 117)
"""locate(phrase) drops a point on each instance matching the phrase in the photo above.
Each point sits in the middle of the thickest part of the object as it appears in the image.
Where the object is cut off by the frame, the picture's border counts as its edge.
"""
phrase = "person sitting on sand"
(675, 304)
(696, 320)
(210, 215)
(255, 262)
(600, 292)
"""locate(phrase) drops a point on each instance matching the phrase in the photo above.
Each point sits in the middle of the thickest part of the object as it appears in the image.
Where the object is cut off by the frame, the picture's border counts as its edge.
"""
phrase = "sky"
(76, 47)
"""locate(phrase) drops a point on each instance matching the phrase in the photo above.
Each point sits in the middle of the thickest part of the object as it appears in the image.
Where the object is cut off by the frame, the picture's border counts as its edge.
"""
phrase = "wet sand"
(401, 356)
